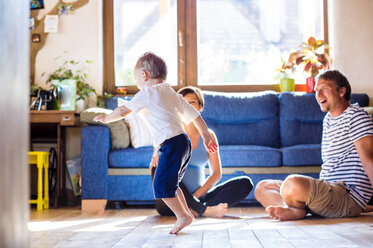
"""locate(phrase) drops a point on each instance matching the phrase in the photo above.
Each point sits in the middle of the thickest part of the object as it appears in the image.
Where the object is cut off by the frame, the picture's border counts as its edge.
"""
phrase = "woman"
(203, 196)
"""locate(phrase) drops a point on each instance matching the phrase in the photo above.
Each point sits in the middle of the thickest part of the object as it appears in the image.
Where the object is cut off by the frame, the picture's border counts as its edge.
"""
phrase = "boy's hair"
(339, 79)
(190, 89)
(153, 64)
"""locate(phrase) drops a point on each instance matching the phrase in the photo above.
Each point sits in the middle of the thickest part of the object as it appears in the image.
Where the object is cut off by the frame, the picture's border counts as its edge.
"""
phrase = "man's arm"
(117, 114)
(364, 147)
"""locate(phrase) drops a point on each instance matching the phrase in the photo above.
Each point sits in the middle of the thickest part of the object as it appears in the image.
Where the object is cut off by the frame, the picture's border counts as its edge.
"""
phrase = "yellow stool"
(41, 159)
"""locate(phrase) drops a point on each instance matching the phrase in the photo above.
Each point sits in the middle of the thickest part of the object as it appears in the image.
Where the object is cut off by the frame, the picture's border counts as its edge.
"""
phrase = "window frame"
(187, 52)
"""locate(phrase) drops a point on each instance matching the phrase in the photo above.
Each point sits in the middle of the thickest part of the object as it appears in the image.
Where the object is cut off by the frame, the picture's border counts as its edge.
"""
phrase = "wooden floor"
(243, 227)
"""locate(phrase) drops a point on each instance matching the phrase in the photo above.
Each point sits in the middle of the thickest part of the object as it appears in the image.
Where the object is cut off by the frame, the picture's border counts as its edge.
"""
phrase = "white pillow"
(139, 132)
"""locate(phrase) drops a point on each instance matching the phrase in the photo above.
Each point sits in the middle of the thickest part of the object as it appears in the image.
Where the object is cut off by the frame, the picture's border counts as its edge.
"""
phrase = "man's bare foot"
(217, 211)
(285, 213)
(368, 209)
(181, 223)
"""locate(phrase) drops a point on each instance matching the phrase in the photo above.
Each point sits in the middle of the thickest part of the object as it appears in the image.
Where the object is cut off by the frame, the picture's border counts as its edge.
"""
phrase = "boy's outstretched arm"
(117, 114)
(208, 140)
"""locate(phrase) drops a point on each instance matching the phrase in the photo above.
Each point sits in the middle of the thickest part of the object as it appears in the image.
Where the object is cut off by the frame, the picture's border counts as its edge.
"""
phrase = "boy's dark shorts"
(174, 155)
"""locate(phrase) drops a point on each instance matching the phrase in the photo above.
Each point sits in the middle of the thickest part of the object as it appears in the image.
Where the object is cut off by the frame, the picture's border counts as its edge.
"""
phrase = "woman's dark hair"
(190, 89)
(339, 79)
(153, 64)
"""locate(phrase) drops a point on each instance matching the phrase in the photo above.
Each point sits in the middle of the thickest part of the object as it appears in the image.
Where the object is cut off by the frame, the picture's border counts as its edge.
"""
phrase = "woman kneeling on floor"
(202, 195)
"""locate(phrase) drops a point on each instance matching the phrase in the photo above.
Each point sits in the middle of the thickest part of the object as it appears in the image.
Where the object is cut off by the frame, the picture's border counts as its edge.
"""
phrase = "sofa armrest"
(95, 151)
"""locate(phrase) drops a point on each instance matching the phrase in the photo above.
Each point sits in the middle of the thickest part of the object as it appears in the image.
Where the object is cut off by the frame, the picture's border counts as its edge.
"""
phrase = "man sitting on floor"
(346, 177)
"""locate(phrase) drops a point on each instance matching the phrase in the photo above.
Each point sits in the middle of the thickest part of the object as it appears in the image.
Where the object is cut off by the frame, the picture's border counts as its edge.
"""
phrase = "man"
(346, 177)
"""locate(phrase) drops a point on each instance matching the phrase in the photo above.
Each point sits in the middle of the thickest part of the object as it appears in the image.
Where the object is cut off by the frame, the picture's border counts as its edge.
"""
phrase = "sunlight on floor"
(50, 225)
(110, 224)
(114, 226)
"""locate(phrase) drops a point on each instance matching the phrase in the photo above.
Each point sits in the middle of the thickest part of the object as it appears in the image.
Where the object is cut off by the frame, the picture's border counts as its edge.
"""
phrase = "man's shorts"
(331, 200)
(174, 155)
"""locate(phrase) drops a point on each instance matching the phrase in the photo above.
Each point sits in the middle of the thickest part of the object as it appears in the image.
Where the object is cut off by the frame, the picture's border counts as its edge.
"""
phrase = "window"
(225, 45)
(140, 26)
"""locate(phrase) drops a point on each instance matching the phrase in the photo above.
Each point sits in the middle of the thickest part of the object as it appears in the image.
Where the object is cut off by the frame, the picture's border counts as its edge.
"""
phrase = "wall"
(351, 41)
(80, 35)
(14, 123)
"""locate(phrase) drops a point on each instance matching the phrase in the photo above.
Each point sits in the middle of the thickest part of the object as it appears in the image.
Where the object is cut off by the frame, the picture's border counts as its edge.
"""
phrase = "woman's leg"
(231, 191)
(193, 203)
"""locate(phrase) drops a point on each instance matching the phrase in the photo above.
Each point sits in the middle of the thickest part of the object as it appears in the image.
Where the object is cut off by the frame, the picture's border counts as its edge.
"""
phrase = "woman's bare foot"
(182, 222)
(285, 213)
(217, 211)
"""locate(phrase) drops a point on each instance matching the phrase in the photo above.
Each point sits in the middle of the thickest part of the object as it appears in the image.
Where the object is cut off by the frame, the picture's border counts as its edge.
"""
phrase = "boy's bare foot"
(181, 223)
(217, 211)
(285, 213)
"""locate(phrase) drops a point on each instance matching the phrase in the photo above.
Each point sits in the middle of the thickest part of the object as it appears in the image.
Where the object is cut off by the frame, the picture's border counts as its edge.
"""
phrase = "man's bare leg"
(284, 200)
(267, 192)
(184, 217)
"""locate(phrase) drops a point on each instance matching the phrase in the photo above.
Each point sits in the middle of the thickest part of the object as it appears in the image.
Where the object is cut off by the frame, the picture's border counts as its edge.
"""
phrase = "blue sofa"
(264, 135)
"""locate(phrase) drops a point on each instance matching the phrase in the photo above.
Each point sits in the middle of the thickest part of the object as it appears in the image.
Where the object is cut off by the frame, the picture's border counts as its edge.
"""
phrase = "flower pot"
(287, 84)
(81, 105)
(310, 85)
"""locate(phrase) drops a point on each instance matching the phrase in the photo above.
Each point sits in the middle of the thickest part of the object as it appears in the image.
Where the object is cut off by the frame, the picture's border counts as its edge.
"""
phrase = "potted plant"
(73, 83)
(314, 59)
(284, 75)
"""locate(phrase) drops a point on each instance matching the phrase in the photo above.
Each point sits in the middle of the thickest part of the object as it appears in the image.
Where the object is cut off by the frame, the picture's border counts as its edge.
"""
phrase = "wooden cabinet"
(50, 127)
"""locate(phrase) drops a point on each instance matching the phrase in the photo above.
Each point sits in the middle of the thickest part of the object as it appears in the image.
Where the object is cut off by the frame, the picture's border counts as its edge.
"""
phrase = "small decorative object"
(32, 24)
(121, 90)
(35, 38)
(65, 8)
(36, 4)
(286, 81)
(313, 58)
(66, 93)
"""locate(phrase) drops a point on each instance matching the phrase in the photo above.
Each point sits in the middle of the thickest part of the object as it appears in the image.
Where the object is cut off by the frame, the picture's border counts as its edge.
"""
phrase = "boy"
(164, 112)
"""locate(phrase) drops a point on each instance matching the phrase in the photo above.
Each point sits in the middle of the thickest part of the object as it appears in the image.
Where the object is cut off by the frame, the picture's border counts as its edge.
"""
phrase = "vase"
(287, 84)
(310, 85)
(66, 94)
(81, 104)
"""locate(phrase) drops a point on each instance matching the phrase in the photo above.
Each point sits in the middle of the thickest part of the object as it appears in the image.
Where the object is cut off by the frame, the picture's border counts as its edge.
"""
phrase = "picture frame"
(35, 38)
(74, 169)
(36, 4)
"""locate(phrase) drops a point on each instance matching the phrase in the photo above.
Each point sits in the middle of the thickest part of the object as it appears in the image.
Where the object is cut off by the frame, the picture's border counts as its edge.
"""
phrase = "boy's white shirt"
(163, 110)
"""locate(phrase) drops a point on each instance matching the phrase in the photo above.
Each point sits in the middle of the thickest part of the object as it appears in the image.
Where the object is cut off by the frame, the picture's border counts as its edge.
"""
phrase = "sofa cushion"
(300, 119)
(252, 156)
(302, 155)
(139, 131)
(112, 102)
(119, 134)
(240, 118)
(131, 157)
(361, 99)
